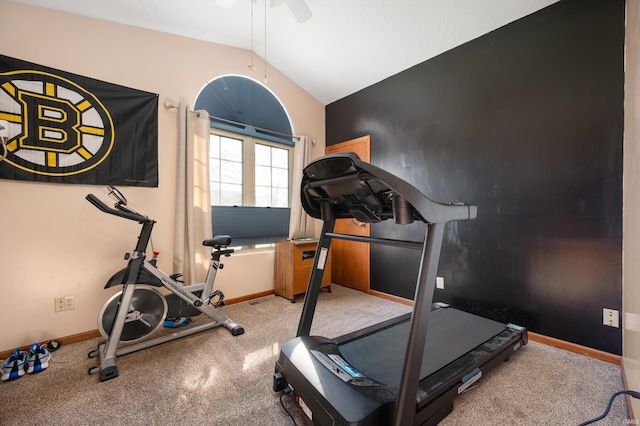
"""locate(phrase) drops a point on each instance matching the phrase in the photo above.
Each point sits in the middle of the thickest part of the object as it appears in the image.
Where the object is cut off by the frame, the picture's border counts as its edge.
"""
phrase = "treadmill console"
(338, 366)
(342, 186)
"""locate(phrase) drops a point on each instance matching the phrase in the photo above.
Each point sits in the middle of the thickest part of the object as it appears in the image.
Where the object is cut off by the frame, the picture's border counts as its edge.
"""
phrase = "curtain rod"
(170, 105)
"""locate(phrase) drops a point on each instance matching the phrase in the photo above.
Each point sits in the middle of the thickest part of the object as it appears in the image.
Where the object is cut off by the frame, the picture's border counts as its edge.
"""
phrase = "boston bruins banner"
(62, 127)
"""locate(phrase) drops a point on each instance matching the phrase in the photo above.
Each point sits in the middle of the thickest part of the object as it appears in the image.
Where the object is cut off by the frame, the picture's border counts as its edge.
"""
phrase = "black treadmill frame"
(342, 186)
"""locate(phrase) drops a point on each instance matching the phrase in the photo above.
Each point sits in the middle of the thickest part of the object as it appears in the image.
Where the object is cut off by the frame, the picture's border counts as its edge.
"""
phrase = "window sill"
(255, 245)
(256, 248)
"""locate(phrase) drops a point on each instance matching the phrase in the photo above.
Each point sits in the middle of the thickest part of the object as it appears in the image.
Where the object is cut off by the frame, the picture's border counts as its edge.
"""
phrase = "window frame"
(249, 164)
(232, 223)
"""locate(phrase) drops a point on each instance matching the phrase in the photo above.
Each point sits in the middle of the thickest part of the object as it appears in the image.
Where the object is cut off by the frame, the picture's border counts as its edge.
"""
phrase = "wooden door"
(350, 264)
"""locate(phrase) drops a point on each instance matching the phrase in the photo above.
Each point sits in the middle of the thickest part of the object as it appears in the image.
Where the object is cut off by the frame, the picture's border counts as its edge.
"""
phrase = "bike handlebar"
(125, 214)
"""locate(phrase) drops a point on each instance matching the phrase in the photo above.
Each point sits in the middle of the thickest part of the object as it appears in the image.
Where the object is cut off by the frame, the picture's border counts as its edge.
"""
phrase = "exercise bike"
(147, 308)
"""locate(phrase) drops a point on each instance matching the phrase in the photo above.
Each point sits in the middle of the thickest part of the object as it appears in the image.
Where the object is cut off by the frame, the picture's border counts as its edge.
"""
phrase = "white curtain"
(300, 223)
(193, 199)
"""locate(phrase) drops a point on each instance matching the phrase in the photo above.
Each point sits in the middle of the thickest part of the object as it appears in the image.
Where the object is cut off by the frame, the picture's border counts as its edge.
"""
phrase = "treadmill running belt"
(451, 334)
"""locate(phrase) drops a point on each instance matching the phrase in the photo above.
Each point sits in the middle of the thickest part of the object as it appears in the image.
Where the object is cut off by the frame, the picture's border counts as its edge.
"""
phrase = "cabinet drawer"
(301, 279)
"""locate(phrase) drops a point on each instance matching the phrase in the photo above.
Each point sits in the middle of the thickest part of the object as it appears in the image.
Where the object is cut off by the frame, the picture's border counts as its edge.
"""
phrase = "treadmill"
(404, 371)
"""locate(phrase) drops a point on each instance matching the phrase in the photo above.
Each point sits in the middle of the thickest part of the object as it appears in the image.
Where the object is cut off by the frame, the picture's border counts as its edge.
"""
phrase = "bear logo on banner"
(66, 128)
(62, 129)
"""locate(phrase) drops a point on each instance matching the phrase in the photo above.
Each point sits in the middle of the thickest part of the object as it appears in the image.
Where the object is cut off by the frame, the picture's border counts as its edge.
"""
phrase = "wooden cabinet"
(293, 263)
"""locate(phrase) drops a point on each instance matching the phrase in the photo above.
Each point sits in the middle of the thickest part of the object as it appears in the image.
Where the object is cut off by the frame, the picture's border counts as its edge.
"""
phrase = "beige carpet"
(213, 378)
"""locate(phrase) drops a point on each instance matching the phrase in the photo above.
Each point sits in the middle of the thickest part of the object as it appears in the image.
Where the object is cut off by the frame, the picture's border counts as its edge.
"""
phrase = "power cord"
(634, 394)
(287, 391)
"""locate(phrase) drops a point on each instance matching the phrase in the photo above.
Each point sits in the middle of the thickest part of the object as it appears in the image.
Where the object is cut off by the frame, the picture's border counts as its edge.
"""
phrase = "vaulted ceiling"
(345, 46)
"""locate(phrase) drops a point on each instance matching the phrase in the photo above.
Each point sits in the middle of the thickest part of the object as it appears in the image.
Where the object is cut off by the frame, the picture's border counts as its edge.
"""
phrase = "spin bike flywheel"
(147, 312)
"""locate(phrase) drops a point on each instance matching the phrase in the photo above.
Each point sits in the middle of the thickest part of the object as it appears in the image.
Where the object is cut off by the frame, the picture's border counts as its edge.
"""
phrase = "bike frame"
(108, 350)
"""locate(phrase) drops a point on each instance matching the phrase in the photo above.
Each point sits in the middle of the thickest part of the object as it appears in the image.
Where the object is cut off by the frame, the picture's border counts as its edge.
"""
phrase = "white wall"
(631, 205)
(53, 242)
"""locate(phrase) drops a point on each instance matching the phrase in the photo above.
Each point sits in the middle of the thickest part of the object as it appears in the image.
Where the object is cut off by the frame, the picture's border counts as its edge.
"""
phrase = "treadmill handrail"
(382, 241)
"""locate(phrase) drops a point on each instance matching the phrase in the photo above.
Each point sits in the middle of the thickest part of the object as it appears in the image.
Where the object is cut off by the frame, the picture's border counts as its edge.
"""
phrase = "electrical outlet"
(440, 283)
(611, 317)
(58, 304)
(64, 303)
(69, 303)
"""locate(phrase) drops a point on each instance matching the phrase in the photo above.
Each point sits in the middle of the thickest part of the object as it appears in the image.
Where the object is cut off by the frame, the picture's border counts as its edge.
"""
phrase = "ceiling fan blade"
(224, 3)
(298, 8)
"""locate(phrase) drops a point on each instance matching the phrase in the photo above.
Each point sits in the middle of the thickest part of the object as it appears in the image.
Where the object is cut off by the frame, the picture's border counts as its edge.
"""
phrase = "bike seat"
(217, 241)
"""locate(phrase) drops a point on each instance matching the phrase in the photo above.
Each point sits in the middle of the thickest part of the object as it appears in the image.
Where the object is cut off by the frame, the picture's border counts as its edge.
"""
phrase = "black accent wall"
(527, 123)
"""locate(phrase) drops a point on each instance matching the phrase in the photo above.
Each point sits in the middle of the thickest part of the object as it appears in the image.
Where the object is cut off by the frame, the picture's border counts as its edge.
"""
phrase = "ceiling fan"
(298, 7)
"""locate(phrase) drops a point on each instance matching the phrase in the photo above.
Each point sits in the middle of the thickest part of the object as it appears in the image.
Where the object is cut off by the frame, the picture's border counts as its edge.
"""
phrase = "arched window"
(243, 105)
(250, 161)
